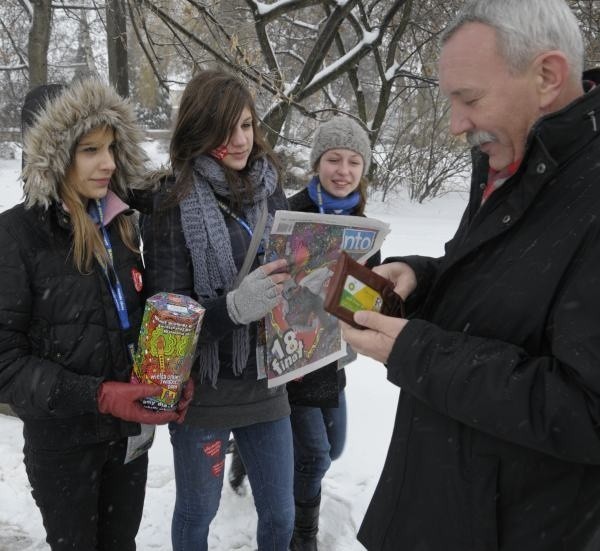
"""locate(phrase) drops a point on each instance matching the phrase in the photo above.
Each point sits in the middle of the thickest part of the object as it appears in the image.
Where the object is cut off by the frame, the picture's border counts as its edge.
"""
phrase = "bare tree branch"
(13, 68)
(151, 60)
(265, 44)
(386, 80)
(16, 48)
(279, 9)
(76, 7)
(27, 7)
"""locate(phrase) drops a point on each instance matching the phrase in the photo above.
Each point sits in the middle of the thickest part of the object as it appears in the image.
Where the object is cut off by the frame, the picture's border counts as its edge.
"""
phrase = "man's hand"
(401, 274)
(378, 337)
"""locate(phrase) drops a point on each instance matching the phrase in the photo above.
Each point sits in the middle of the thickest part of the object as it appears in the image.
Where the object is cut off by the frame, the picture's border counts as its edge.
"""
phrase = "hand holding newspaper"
(299, 335)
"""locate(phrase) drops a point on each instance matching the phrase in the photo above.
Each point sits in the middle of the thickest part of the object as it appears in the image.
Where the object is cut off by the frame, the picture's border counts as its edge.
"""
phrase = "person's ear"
(552, 75)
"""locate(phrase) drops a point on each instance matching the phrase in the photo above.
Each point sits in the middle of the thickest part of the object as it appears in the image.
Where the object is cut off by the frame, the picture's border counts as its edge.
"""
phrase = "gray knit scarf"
(209, 244)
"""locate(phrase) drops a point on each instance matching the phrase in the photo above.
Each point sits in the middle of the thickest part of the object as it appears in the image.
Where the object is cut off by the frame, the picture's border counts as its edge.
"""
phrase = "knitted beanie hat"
(341, 133)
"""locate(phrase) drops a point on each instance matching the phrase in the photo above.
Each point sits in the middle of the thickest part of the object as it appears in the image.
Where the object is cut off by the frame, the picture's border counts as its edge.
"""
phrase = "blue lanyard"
(320, 198)
(111, 275)
(225, 208)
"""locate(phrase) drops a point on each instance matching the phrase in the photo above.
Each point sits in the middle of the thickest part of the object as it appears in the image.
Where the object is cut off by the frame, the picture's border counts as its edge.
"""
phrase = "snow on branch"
(369, 38)
(269, 12)
(396, 71)
(264, 9)
(13, 67)
(76, 7)
(26, 5)
(291, 53)
(301, 24)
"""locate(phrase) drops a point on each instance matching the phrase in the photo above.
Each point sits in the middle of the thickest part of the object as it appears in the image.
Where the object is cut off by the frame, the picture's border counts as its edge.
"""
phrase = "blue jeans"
(319, 438)
(199, 456)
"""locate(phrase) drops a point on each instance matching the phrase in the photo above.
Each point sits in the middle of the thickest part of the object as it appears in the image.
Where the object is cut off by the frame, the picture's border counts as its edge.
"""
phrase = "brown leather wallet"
(355, 287)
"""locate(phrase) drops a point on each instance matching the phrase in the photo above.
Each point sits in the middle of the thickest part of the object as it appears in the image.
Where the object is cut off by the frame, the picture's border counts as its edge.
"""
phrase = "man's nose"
(459, 122)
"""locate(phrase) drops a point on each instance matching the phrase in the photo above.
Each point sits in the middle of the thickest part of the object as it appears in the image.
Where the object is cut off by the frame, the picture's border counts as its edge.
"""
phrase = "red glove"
(186, 399)
(122, 400)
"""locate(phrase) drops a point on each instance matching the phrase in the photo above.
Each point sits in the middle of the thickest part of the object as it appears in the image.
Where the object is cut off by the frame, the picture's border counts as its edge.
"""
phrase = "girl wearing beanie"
(205, 241)
(70, 309)
(340, 158)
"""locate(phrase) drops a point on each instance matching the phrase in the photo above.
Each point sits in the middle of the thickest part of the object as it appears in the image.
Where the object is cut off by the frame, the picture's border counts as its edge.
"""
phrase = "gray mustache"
(475, 139)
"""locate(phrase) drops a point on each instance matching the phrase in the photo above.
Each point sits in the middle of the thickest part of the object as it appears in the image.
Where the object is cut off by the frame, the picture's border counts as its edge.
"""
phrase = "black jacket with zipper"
(496, 443)
(60, 335)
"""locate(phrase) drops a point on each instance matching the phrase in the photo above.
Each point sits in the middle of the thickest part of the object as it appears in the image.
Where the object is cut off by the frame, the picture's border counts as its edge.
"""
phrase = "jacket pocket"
(484, 500)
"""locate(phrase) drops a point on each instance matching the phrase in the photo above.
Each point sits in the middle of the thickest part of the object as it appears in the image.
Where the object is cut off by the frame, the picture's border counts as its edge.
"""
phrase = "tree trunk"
(39, 40)
(116, 38)
(86, 66)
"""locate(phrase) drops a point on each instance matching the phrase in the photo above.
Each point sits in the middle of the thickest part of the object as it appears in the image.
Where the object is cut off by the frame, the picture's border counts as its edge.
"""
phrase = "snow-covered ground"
(349, 484)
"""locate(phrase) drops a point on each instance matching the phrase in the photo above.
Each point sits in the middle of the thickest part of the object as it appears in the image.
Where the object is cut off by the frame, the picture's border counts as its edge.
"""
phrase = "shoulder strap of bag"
(257, 235)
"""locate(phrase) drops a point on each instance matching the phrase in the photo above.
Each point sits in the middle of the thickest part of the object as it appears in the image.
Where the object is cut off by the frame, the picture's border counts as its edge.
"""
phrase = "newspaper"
(299, 336)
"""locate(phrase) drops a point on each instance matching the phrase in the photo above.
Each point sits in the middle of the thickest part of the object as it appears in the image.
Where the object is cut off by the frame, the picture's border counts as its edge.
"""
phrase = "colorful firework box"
(166, 347)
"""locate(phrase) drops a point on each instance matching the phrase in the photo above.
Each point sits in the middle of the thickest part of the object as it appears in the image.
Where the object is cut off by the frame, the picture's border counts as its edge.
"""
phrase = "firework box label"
(166, 347)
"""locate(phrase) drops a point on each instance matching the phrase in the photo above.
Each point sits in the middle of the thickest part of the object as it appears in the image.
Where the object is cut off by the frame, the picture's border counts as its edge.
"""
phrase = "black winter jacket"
(59, 330)
(496, 444)
(320, 388)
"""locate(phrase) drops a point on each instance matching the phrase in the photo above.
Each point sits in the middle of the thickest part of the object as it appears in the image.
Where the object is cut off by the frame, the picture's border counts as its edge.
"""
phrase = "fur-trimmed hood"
(49, 143)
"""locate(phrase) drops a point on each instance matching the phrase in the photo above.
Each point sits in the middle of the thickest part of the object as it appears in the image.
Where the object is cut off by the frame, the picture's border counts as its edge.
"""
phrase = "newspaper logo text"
(358, 240)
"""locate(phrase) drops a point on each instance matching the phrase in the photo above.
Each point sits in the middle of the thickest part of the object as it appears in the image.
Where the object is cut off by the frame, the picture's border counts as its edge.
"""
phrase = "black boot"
(237, 470)
(306, 526)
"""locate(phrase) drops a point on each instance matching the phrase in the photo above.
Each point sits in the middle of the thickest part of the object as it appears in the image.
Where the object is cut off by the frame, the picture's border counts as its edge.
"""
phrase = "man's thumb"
(369, 319)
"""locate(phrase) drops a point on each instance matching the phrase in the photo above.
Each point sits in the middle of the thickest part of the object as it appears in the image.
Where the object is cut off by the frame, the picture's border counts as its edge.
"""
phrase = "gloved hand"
(258, 293)
(186, 399)
(122, 400)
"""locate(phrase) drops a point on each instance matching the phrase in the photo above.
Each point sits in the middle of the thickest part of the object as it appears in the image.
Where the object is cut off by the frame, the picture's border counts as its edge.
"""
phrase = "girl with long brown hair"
(205, 240)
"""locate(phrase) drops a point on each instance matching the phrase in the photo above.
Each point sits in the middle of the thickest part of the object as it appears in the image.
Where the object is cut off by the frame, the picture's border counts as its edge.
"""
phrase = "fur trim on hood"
(49, 144)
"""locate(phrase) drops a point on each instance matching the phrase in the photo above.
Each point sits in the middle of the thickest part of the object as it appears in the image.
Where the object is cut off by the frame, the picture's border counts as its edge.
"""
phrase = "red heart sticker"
(219, 153)
(138, 282)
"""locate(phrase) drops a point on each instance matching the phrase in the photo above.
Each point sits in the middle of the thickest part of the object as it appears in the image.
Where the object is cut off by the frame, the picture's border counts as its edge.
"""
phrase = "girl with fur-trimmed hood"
(70, 309)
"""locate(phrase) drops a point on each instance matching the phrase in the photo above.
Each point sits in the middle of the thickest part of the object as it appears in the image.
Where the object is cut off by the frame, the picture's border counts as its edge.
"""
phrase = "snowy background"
(349, 484)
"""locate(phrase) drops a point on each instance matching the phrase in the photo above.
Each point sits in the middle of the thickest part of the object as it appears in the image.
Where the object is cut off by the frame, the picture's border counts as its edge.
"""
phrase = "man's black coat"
(496, 444)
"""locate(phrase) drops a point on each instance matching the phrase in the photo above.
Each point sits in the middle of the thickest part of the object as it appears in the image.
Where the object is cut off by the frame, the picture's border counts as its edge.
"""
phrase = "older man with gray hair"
(496, 445)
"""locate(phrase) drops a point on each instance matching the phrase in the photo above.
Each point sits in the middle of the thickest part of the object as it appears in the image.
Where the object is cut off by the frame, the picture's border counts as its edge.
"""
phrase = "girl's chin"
(340, 191)
(236, 164)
